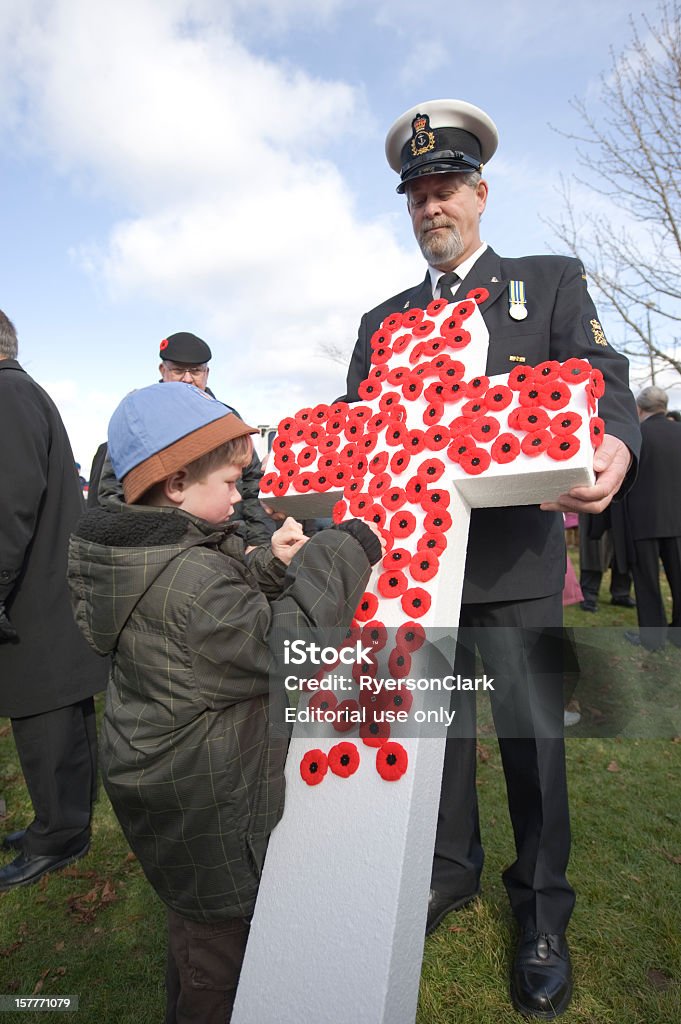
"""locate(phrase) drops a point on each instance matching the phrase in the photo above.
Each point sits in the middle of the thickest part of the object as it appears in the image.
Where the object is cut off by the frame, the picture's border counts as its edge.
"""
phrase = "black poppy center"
(345, 760)
(564, 445)
(506, 447)
(391, 759)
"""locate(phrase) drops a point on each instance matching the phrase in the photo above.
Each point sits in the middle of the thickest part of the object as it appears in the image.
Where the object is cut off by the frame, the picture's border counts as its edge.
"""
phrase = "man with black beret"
(184, 358)
(537, 308)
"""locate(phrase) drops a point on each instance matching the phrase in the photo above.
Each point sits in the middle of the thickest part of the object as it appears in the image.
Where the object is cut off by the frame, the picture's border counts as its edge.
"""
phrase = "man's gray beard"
(439, 249)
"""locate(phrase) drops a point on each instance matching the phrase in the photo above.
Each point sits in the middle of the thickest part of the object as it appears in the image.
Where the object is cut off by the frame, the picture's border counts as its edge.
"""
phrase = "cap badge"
(422, 138)
(517, 304)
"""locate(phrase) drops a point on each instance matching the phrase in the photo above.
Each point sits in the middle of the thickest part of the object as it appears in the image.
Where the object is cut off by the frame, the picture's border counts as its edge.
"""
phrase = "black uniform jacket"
(654, 501)
(50, 666)
(519, 552)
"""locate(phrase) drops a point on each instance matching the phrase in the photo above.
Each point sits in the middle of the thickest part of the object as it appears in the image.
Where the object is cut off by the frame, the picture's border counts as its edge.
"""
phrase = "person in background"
(48, 675)
(185, 357)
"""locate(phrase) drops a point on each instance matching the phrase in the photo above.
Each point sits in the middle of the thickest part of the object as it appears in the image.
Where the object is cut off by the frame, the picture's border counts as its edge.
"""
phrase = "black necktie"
(448, 283)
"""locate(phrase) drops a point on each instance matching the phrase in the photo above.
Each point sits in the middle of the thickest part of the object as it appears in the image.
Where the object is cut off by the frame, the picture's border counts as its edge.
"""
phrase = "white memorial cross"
(338, 930)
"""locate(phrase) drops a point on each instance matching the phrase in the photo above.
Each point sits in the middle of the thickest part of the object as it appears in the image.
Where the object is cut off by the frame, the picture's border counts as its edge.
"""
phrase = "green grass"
(97, 930)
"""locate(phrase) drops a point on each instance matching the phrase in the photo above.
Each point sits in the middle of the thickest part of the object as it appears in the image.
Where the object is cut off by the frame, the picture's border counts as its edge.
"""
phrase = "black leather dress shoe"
(25, 870)
(14, 840)
(623, 602)
(442, 903)
(588, 606)
(634, 638)
(541, 982)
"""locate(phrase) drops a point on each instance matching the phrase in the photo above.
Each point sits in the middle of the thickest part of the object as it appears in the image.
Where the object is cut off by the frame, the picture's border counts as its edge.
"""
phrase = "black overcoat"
(654, 501)
(40, 502)
(519, 552)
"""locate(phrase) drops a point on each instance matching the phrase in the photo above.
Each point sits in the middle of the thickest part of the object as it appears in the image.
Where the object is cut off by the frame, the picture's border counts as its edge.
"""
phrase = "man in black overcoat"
(653, 507)
(537, 308)
(48, 674)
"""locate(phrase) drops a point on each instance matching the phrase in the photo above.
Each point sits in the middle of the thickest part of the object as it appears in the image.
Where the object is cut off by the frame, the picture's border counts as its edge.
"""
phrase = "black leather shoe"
(14, 841)
(541, 982)
(588, 606)
(634, 638)
(623, 602)
(442, 903)
(24, 870)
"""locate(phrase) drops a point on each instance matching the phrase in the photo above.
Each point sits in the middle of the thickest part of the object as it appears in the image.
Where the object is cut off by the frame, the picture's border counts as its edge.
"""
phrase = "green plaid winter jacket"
(192, 771)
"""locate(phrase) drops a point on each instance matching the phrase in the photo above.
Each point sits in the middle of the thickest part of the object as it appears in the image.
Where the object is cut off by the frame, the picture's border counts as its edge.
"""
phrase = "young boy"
(162, 583)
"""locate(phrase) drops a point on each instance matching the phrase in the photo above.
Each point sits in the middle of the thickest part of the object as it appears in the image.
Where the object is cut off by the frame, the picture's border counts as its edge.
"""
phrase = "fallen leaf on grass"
(658, 979)
(484, 753)
(40, 982)
(130, 857)
(59, 946)
(5, 731)
(12, 949)
(614, 767)
(456, 928)
(673, 858)
(86, 907)
(74, 872)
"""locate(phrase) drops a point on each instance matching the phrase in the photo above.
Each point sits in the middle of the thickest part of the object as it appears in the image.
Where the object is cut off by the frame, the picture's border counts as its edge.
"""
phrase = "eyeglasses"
(179, 371)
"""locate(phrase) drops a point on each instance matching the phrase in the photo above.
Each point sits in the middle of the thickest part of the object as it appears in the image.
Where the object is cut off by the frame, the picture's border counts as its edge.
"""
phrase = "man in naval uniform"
(538, 308)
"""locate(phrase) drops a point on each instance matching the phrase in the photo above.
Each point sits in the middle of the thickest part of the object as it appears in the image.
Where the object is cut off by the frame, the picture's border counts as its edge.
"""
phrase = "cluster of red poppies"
(343, 760)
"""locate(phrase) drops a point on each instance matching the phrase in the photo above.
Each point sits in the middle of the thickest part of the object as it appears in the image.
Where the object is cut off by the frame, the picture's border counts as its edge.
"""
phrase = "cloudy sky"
(217, 166)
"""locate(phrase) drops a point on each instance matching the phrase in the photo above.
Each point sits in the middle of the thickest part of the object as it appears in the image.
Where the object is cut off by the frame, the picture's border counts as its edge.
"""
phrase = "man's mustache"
(428, 224)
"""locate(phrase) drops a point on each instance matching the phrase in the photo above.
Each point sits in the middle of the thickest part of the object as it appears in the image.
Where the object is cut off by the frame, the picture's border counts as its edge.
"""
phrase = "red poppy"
(475, 461)
(392, 583)
(286, 425)
(368, 442)
(451, 370)
(374, 734)
(410, 636)
(267, 483)
(414, 442)
(378, 462)
(423, 566)
(345, 719)
(433, 393)
(457, 339)
(335, 425)
(376, 514)
(352, 488)
(367, 607)
(484, 429)
(369, 389)
(321, 701)
(396, 434)
(435, 306)
(392, 761)
(435, 500)
(412, 388)
(431, 470)
(554, 395)
(436, 438)
(566, 423)
(415, 489)
(574, 371)
(282, 485)
(330, 443)
(530, 394)
(536, 442)
(375, 635)
(529, 419)
(367, 667)
(322, 482)
(381, 354)
(433, 412)
(498, 397)
(398, 374)
(400, 462)
(284, 460)
(388, 400)
(506, 448)
(343, 759)
(392, 322)
(416, 602)
(460, 446)
(478, 295)
(412, 317)
(401, 343)
(597, 383)
(341, 476)
(307, 456)
(399, 664)
(394, 498)
(380, 338)
(379, 483)
(477, 386)
(314, 767)
(548, 371)
(399, 698)
(340, 409)
(403, 523)
(423, 329)
(513, 419)
(435, 345)
(359, 503)
(563, 447)
(417, 352)
(434, 543)
(339, 511)
(348, 453)
(397, 558)
(303, 416)
(597, 428)
(303, 482)
(473, 408)
(282, 443)
(520, 377)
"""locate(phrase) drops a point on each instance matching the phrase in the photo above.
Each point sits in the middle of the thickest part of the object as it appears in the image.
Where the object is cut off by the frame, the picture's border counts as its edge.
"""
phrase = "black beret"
(184, 347)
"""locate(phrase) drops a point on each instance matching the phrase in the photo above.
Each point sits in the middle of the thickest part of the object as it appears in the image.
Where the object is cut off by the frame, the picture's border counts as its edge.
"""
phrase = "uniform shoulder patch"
(594, 332)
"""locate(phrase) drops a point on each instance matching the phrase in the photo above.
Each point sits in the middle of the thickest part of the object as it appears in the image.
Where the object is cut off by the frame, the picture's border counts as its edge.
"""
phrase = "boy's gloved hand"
(288, 539)
(7, 630)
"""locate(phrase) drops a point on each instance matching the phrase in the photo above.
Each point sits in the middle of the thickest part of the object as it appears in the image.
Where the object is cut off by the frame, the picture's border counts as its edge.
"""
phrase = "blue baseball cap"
(159, 429)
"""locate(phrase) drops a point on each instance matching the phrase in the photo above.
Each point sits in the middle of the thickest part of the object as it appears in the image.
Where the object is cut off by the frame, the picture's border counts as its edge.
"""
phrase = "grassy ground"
(97, 930)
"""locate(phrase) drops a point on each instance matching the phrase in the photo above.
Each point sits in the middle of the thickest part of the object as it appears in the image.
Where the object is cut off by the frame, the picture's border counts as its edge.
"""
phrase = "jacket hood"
(116, 553)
